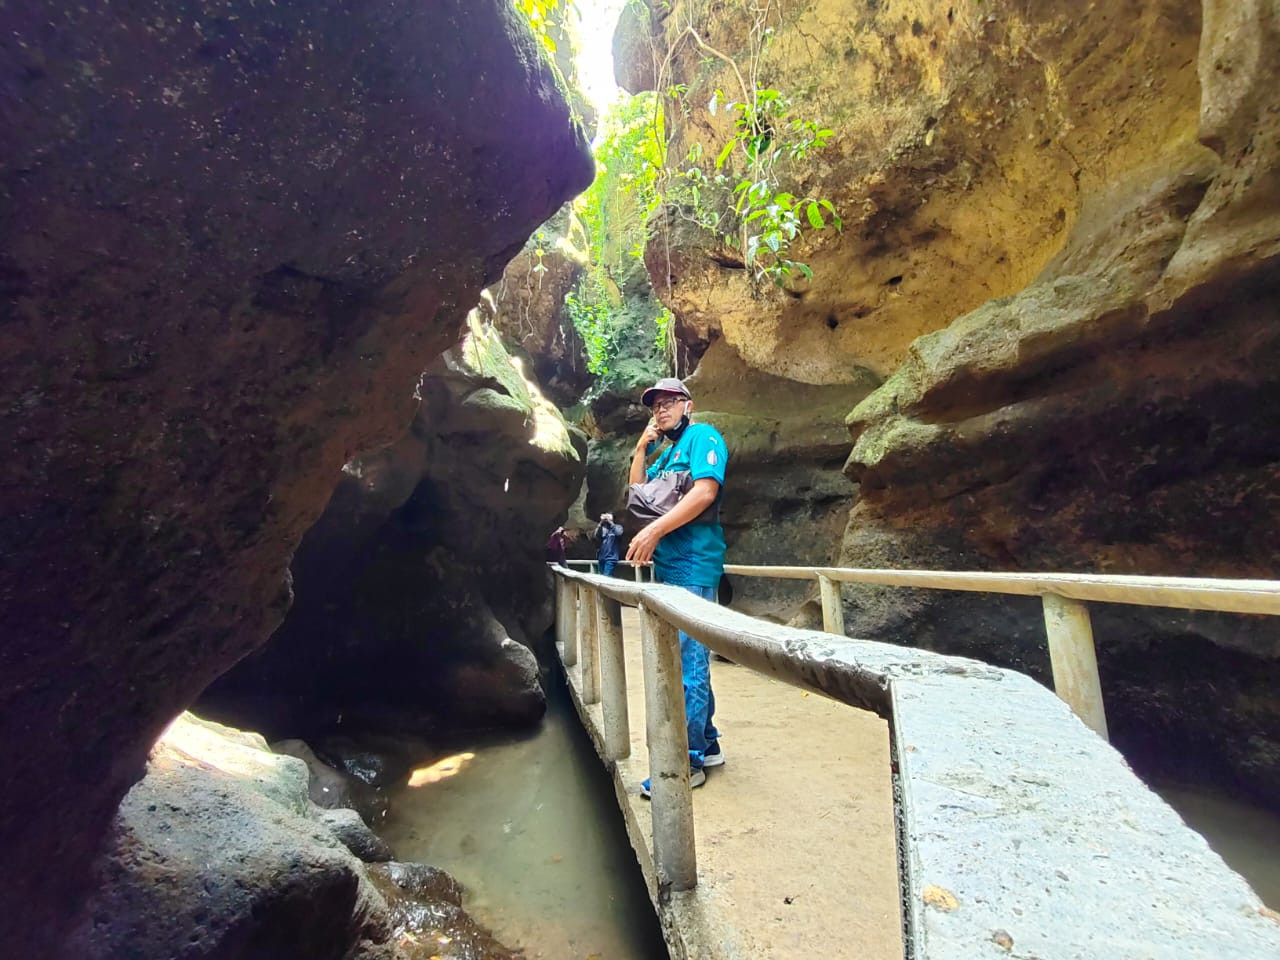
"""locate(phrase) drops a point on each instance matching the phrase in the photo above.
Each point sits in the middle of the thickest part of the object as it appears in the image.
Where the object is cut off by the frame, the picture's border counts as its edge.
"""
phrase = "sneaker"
(696, 779)
(714, 756)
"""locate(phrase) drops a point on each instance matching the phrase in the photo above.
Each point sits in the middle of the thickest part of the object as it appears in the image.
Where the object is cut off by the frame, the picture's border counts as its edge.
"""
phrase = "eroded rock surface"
(1117, 415)
(233, 236)
(1061, 251)
(965, 137)
(528, 308)
(422, 589)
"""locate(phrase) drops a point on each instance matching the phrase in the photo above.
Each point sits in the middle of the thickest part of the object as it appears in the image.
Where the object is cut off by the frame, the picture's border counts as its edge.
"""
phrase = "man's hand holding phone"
(651, 435)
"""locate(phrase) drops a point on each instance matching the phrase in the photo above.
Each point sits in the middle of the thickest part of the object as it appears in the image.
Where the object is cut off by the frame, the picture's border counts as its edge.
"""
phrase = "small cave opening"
(894, 281)
(832, 322)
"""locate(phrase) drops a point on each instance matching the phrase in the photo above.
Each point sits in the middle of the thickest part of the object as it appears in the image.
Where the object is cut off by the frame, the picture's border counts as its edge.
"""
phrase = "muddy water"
(531, 829)
(1245, 836)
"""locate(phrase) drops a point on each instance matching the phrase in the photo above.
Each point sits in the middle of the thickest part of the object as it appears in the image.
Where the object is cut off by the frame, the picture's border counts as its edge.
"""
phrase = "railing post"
(832, 606)
(665, 729)
(638, 572)
(590, 646)
(1074, 659)
(562, 611)
(571, 623)
(613, 678)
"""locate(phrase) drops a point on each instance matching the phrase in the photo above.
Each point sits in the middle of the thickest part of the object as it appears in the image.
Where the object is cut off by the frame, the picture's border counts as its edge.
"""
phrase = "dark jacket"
(555, 549)
(609, 536)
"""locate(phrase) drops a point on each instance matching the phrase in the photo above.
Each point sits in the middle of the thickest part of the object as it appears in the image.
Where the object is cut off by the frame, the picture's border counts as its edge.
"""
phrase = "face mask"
(674, 433)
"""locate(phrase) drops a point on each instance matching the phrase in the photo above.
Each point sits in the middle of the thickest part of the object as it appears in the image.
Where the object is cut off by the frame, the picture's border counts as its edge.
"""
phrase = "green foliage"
(630, 154)
(614, 213)
(743, 197)
(767, 142)
(593, 315)
(542, 16)
(665, 322)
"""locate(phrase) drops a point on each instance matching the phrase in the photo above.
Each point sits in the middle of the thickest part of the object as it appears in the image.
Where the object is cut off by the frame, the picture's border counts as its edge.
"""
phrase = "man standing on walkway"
(608, 535)
(686, 544)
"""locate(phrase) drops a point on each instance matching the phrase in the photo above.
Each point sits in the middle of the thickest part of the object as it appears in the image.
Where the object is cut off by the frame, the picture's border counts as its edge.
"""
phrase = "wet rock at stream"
(218, 852)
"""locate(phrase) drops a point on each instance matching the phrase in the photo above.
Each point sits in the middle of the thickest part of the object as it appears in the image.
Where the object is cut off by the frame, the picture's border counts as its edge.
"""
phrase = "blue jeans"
(699, 701)
(607, 565)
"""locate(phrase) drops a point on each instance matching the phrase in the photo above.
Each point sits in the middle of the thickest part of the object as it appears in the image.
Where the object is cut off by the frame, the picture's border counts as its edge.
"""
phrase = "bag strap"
(665, 460)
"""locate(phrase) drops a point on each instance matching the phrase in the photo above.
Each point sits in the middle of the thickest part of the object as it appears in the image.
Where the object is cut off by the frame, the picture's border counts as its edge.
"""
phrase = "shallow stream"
(1246, 836)
(531, 829)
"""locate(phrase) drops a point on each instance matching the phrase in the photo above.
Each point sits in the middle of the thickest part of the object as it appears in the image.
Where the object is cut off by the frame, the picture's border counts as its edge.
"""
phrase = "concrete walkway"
(795, 833)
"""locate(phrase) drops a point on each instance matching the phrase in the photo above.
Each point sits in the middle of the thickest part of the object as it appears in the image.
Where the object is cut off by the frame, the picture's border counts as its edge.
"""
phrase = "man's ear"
(688, 405)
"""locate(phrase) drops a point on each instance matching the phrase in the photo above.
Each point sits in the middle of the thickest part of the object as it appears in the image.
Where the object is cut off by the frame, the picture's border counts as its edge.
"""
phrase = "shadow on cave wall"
(421, 593)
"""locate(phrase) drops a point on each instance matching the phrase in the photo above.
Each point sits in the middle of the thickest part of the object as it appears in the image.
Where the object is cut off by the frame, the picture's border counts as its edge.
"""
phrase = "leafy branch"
(757, 215)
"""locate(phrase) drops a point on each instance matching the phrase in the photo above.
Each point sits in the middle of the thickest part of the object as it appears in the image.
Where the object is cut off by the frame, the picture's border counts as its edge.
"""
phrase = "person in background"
(608, 536)
(555, 547)
(686, 549)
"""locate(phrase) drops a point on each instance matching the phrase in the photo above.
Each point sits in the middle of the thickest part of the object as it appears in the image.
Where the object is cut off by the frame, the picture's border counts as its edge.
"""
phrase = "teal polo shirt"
(693, 555)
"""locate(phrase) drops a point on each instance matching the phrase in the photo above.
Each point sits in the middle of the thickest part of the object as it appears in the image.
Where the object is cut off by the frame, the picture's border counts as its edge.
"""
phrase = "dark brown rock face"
(529, 310)
(421, 588)
(233, 235)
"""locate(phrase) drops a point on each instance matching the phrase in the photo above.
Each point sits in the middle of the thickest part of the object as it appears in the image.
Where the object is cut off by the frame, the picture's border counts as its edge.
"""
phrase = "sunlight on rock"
(440, 770)
(191, 741)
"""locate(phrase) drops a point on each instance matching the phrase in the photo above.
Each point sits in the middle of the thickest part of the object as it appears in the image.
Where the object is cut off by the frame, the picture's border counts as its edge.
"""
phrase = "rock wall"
(965, 136)
(529, 311)
(1062, 233)
(234, 234)
(421, 590)
(1118, 415)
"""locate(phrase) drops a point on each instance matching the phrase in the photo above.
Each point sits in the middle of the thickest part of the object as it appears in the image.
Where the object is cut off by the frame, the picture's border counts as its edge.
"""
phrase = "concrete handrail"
(1015, 820)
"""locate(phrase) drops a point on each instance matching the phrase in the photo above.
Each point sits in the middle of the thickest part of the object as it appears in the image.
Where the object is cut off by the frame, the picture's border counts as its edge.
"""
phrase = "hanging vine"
(742, 197)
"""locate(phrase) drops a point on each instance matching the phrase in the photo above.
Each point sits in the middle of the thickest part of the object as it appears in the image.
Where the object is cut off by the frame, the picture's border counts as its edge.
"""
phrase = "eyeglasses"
(666, 403)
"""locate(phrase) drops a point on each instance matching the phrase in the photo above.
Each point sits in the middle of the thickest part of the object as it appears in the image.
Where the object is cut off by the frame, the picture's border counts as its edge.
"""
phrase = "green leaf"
(815, 216)
(805, 269)
(784, 200)
(724, 154)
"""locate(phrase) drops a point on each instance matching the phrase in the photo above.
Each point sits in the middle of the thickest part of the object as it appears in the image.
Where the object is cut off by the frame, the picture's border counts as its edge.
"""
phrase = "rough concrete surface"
(786, 868)
(1017, 820)
(1107, 869)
